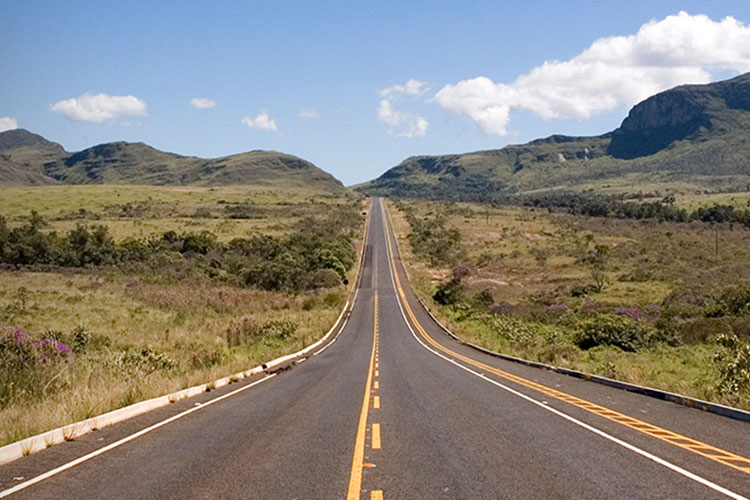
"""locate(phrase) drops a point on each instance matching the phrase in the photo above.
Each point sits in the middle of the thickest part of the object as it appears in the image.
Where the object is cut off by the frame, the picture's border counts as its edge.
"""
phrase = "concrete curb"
(33, 444)
(725, 411)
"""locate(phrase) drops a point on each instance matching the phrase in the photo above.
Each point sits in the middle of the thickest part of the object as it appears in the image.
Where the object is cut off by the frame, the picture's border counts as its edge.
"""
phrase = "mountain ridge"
(30, 159)
(691, 137)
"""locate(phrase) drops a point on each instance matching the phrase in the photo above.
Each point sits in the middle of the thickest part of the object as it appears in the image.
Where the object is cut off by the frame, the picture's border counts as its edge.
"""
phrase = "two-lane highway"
(394, 408)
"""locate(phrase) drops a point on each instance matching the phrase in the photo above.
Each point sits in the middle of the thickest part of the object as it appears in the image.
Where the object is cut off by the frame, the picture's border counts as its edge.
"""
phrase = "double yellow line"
(723, 457)
(358, 459)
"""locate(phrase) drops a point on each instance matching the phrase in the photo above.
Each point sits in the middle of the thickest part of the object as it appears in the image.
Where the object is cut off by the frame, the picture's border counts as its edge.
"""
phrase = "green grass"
(528, 259)
(185, 320)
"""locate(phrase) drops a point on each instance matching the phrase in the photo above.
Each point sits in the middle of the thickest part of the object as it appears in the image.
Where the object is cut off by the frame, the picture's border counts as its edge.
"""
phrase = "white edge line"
(635, 449)
(39, 442)
(124, 440)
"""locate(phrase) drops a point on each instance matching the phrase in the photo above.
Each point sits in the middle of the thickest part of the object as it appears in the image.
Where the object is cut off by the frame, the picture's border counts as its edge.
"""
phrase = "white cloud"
(612, 72)
(411, 87)
(308, 114)
(261, 122)
(202, 103)
(8, 123)
(96, 108)
(400, 123)
(417, 128)
(390, 116)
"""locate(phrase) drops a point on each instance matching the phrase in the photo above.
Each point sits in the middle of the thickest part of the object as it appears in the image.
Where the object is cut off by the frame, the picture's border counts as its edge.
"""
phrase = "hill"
(687, 139)
(29, 159)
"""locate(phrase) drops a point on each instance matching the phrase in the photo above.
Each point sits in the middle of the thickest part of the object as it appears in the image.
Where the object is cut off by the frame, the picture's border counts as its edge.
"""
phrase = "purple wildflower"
(20, 335)
(556, 309)
(631, 312)
(64, 349)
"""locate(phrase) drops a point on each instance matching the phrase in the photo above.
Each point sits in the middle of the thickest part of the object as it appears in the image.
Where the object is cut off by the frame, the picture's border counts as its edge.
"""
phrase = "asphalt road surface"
(394, 408)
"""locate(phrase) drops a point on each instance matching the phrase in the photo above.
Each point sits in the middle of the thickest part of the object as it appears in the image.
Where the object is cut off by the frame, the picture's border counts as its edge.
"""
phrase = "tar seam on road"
(358, 457)
(403, 303)
(124, 440)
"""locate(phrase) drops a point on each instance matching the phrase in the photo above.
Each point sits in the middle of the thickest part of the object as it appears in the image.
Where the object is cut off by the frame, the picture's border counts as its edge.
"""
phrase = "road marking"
(376, 402)
(377, 373)
(403, 303)
(375, 437)
(124, 440)
(376, 495)
(376, 385)
(358, 458)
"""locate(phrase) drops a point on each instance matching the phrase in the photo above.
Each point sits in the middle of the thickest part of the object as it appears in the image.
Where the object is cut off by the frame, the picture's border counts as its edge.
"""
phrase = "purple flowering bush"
(29, 365)
(556, 309)
(630, 312)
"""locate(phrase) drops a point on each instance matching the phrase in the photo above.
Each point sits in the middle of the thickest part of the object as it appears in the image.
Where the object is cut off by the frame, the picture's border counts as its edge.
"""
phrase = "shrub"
(733, 363)
(449, 292)
(737, 300)
(29, 366)
(483, 299)
(630, 312)
(145, 360)
(556, 309)
(432, 241)
(613, 330)
(280, 329)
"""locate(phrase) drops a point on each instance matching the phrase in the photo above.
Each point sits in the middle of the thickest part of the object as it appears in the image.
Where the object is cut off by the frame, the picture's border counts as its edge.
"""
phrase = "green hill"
(25, 154)
(687, 139)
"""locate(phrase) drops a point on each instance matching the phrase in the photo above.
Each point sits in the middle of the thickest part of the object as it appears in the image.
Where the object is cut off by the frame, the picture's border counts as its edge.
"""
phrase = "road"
(394, 408)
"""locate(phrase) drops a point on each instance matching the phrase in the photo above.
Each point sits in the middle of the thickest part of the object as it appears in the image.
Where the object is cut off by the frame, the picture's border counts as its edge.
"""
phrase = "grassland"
(537, 280)
(136, 335)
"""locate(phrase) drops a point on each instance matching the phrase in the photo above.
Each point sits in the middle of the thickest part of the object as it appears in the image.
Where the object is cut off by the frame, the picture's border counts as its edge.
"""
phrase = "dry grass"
(185, 321)
(528, 259)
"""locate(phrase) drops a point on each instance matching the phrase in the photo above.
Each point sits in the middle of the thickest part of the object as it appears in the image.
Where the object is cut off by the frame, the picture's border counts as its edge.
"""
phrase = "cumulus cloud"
(612, 72)
(308, 114)
(401, 123)
(411, 87)
(390, 116)
(417, 128)
(96, 108)
(202, 103)
(8, 123)
(410, 126)
(261, 122)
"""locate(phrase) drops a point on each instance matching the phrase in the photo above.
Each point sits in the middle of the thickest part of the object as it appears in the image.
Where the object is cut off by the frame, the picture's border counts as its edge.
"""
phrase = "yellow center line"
(376, 385)
(376, 402)
(358, 458)
(375, 437)
(723, 457)
(376, 495)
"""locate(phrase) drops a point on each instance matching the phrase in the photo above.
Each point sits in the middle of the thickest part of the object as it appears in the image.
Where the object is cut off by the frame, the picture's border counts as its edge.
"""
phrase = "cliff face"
(678, 114)
(690, 138)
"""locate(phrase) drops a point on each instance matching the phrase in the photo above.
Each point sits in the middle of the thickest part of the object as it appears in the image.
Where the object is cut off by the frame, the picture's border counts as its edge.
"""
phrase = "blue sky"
(328, 81)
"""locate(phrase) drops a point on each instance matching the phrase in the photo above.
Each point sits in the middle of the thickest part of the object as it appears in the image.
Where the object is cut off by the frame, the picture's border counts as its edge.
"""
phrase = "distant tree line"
(316, 254)
(598, 205)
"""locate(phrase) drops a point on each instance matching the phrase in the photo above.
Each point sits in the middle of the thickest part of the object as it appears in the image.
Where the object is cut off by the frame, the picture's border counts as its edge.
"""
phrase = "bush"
(733, 363)
(737, 300)
(432, 241)
(612, 330)
(143, 360)
(280, 329)
(29, 366)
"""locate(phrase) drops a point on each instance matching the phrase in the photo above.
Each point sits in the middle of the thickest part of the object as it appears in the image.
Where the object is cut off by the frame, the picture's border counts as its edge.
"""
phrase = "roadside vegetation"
(93, 319)
(644, 299)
